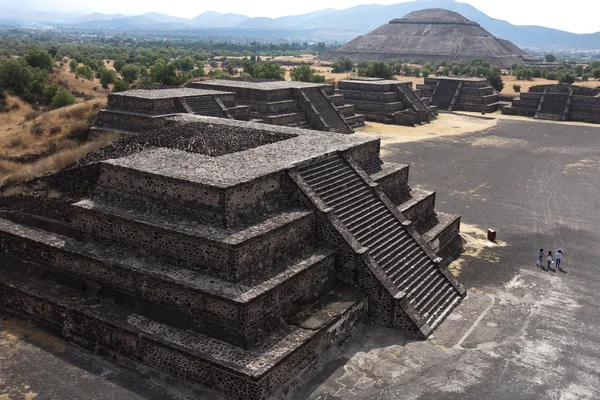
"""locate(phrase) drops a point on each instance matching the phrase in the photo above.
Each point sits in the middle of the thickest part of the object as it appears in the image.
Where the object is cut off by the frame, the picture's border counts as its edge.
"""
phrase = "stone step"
(412, 271)
(390, 243)
(337, 99)
(420, 204)
(284, 119)
(449, 303)
(369, 235)
(339, 198)
(343, 177)
(366, 215)
(344, 180)
(361, 232)
(356, 208)
(386, 234)
(419, 277)
(321, 169)
(229, 253)
(347, 110)
(400, 257)
(352, 202)
(435, 296)
(189, 356)
(239, 312)
(375, 216)
(426, 291)
(355, 120)
(333, 194)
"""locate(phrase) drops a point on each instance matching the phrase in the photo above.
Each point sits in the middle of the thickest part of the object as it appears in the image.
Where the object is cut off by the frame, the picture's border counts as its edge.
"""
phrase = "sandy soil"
(444, 125)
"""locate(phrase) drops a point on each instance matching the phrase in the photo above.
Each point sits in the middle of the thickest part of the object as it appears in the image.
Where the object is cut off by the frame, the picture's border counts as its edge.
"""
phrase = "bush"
(566, 77)
(85, 72)
(269, 70)
(375, 69)
(38, 58)
(494, 77)
(130, 72)
(517, 88)
(550, 58)
(344, 64)
(120, 86)
(62, 98)
(107, 77)
(551, 75)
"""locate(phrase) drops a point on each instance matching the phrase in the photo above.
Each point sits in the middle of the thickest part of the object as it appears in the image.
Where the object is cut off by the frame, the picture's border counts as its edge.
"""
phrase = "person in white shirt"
(549, 259)
(558, 258)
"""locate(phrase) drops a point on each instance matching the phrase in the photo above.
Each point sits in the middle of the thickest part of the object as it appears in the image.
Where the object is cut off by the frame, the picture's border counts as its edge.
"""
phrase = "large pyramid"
(431, 35)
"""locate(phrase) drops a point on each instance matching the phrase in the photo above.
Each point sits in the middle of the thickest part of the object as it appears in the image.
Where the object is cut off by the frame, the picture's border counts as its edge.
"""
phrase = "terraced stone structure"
(387, 101)
(294, 104)
(227, 254)
(460, 94)
(137, 111)
(431, 35)
(560, 102)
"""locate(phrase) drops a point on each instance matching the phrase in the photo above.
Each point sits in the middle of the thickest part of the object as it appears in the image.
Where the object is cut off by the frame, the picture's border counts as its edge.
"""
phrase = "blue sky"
(580, 16)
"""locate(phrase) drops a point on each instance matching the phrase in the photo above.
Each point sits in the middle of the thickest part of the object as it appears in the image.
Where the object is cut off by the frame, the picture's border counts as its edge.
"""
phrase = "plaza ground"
(522, 332)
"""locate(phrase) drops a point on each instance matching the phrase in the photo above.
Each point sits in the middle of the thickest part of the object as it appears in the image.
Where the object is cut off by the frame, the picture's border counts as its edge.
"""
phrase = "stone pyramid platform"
(137, 111)
(460, 94)
(386, 101)
(560, 102)
(226, 254)
(294, 104)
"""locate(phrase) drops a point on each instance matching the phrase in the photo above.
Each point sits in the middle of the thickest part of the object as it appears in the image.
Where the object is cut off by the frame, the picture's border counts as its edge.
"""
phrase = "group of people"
(550, 260)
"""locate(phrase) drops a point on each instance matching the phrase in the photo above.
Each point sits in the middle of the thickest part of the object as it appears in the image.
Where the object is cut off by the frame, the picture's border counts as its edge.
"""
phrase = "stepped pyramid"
(561, 102)
(432, 35)
(226, 254)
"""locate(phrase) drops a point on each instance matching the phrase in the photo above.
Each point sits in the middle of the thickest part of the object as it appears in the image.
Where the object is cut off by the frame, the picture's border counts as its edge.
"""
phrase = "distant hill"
(211, 19)
(328, 24)
(282, 22)
(98, 17)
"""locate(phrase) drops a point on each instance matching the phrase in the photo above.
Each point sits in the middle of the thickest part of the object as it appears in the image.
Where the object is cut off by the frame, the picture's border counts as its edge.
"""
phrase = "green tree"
(303, 73)
(164, 73)
(596, 73)
(73, 65)
(85, 72)
(186, 63)
(38, 58)
(62, 98)
(107, 77)
(446, 71)
(344, 64)
(494, 77)
(550, 58)
(566, 77)
(130, 72)
(119, 63)
(417, 72)
(269, 70)
(120, 86)
(517, 88)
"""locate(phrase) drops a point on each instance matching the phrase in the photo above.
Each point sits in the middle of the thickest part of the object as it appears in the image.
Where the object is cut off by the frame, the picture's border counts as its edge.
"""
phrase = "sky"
(579, 16)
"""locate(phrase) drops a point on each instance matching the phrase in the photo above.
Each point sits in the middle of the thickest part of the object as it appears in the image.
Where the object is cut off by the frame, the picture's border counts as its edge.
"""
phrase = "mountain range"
(335, 25)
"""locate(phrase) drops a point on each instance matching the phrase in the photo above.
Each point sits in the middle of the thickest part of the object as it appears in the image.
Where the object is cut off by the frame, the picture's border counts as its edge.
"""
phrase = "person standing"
(540, 262)
(550, 260)
(558, 258)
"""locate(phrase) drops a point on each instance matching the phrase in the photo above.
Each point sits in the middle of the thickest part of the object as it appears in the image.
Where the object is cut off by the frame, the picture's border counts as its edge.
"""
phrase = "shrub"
(38, 58)
(85, 72)
(73, 65)
(107, 76)
(551, 75)
(566, 77)
(62, 98)
(517, 88)
(494, 77)
(120, 86)
(550, 58)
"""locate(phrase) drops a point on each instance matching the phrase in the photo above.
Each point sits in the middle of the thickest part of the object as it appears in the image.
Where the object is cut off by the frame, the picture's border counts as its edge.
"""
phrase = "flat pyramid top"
(433, 15)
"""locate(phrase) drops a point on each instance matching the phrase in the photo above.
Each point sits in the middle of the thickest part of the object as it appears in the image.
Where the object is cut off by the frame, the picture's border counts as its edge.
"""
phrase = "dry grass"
(54, 162)
(26, 133)
(79, 86)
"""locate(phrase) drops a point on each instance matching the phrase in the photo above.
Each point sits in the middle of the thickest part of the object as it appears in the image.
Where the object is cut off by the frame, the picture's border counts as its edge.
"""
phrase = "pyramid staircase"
(416, 103)
(204, 105)
(416, 280)
(330, 114)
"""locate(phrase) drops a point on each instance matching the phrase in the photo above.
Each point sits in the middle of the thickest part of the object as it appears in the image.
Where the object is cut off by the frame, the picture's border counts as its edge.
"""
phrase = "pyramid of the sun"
(430, 35)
